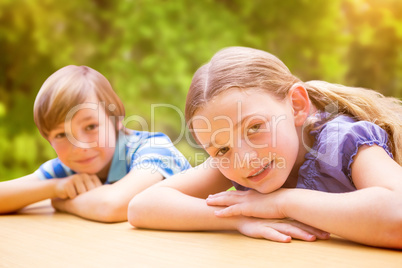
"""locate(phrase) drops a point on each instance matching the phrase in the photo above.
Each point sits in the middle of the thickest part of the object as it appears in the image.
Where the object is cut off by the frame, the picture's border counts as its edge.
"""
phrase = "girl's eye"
(254, 129)
(222, 151)
(91, 127)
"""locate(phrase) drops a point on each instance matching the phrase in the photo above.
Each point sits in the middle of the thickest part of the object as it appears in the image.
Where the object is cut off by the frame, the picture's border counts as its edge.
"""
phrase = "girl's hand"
(248, 203)
(260, 210)
(76, 184)
(279, 230)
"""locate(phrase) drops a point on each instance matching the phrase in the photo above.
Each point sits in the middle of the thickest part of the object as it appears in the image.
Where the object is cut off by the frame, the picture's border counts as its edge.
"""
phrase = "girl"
(312, 156)
(100, 165)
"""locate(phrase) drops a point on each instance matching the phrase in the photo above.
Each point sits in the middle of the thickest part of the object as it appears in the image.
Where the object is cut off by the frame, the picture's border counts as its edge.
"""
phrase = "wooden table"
(40, 237)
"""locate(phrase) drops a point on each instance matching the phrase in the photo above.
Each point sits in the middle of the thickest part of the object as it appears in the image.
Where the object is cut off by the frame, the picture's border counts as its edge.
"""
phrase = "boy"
(101, 165)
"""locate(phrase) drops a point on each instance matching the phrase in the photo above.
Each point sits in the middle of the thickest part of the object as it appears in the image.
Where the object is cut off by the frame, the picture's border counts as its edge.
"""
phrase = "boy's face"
(86, 141)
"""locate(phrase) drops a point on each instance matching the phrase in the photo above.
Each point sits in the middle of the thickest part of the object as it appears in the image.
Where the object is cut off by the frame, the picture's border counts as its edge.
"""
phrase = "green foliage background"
(149, 50)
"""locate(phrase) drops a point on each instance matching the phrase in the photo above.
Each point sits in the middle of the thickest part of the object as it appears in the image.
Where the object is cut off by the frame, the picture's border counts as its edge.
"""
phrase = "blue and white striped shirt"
(140, 149)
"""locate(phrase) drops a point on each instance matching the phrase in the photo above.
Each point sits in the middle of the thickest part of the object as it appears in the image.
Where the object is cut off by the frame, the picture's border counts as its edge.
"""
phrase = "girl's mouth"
(256, 176)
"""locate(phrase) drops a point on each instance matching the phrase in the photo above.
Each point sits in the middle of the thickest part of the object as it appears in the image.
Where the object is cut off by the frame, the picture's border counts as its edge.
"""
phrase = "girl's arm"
(371, 215)
(18, 193)
(109, 202)
(179, 204)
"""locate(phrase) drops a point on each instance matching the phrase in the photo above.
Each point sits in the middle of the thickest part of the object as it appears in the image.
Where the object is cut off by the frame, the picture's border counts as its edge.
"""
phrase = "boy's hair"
(69, 87)
(245, 68)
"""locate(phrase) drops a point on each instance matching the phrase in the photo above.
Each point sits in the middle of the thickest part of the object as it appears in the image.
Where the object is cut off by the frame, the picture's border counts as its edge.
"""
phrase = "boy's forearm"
(371, 216)
(168, 209)
(109, 202)
(97, 205)
(18, 193)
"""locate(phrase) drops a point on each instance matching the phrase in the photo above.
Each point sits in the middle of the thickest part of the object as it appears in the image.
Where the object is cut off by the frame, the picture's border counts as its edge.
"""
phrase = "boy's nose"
(82, 141)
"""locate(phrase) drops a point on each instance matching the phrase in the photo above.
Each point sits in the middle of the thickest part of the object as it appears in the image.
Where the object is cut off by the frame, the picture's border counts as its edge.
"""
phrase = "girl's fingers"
(282, 232)
(234, 210)
(223, 200)
(273, 235)
(294, 231)
(317, 232)
(263, 231)
(228, 193)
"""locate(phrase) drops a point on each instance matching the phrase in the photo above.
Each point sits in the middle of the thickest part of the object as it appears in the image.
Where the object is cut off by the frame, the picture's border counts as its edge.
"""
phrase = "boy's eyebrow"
(210, 144)
(62, 126)
(87, 118)
(58, 127)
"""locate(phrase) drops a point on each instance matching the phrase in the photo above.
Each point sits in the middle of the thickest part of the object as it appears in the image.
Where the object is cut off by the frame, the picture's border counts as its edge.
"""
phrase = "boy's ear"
(300, 102)
(119, 125)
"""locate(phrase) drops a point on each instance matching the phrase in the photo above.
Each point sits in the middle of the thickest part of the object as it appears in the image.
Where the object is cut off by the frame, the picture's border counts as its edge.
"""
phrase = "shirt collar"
(118, 168)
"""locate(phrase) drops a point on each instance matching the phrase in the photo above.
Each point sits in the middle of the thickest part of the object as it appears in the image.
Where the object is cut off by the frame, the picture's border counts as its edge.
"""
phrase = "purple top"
(327, 167)
(328, 164)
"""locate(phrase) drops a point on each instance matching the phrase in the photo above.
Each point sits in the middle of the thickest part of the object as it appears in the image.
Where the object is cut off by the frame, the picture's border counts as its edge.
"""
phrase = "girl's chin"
(267, 188)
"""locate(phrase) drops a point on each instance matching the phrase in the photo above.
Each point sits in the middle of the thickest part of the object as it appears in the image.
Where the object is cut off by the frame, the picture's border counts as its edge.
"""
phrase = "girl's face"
(251, 137)
(86, 141)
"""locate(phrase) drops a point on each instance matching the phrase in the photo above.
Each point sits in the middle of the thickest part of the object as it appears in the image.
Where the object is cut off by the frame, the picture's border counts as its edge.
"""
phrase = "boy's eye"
(60, 135)
(254, 129)
(222, 151)
(91, 127)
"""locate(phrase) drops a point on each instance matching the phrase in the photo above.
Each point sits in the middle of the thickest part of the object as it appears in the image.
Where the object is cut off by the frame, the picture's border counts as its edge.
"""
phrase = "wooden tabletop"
(40, 237)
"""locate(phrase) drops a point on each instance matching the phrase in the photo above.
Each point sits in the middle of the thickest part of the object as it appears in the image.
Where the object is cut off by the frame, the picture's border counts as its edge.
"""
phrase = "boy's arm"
(18, 193)
(109, 202)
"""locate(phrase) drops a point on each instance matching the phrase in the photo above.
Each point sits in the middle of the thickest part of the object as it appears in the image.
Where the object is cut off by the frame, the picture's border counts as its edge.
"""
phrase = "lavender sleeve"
(328, 164)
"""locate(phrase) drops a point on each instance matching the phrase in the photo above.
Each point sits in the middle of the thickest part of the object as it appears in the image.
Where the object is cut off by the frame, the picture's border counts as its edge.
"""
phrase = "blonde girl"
(307, 158)
(100, 165)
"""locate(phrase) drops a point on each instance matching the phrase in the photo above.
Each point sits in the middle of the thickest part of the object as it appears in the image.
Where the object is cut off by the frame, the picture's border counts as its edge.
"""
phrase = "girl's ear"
(300, 102)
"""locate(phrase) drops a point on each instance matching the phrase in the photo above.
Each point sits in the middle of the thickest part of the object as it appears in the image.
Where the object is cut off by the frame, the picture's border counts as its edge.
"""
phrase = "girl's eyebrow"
(244, 118)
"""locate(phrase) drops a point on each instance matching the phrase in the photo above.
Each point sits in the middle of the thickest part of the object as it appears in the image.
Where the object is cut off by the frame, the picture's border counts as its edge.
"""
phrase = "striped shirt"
(139, 149)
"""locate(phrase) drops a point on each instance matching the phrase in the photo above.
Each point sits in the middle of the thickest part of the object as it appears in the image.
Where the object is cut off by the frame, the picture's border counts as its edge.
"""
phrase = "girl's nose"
(247, 156)
(251, 156)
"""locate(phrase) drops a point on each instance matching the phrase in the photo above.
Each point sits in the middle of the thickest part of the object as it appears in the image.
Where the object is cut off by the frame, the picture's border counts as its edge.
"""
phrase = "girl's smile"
(261, 172)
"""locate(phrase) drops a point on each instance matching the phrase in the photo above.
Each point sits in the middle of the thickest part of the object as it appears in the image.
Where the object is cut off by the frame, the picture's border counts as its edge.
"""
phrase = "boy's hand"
(279, 230)
(76, 184)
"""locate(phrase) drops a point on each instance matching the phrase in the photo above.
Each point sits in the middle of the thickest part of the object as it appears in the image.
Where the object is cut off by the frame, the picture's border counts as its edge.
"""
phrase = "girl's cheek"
(228, 168)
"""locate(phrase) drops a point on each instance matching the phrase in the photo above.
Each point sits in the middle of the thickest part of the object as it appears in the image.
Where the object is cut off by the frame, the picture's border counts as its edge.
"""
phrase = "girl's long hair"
(245, 68)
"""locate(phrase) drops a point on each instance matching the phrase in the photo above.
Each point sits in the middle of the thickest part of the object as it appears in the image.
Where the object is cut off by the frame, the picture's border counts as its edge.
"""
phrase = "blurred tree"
(375, 51)
(149, 50)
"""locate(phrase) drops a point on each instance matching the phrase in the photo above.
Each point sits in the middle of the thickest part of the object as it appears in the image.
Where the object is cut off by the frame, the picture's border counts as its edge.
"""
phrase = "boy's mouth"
(86, 160)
